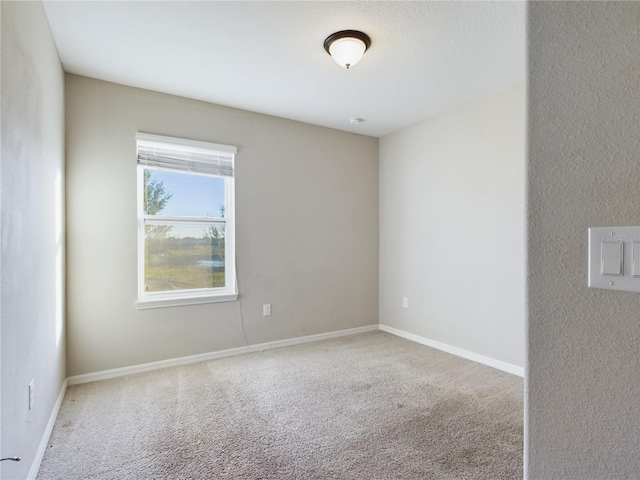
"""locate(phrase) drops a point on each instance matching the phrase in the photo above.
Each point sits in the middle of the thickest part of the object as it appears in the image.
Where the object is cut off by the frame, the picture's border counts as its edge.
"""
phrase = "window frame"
(194, 296)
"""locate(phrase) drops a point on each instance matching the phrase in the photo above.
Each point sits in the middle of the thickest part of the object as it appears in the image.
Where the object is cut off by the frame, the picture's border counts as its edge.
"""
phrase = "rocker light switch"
(612, 258)
(636, 259)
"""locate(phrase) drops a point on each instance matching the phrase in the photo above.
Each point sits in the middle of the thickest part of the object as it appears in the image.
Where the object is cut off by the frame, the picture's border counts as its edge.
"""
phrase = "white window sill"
(182, 301)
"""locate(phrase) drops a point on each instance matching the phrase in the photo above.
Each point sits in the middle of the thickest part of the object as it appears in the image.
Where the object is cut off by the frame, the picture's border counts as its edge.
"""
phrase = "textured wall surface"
(306, 228)
(32, 273)
(452, 227)
(583, 380)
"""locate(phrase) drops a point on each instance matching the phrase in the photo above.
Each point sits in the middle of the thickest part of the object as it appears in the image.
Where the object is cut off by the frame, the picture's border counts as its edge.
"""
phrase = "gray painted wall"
(32, 269)
(452, 227)
(307, 228)
(583, 382)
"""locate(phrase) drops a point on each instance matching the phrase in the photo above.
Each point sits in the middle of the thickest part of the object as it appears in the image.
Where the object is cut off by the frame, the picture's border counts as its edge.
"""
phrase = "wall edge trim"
(460, 352)
(42, 447)
(174, 362)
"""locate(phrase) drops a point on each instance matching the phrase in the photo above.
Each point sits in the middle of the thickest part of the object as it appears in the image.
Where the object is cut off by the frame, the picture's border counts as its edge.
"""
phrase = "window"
(186, 247)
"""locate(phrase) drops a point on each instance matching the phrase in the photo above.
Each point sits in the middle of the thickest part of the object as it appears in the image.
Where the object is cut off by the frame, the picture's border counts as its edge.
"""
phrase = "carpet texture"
(369, 406)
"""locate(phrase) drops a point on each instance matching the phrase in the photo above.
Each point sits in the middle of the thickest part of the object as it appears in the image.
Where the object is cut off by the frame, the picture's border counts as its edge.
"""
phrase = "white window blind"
(185, 155)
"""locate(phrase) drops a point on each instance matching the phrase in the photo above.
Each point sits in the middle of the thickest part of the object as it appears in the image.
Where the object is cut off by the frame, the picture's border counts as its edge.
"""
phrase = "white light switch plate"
(611, 258)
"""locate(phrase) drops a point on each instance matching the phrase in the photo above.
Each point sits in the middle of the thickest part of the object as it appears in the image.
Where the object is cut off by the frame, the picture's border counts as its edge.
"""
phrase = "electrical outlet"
(32, 394)
(405, 302)
(266, 310)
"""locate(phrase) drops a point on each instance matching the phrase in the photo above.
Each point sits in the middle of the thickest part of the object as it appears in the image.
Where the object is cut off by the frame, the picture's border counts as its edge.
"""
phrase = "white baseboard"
(173, 362)
(491, 362)
(42, 447)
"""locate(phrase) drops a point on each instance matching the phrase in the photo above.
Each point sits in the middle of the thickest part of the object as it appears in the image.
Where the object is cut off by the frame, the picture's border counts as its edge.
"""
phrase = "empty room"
(310, 240)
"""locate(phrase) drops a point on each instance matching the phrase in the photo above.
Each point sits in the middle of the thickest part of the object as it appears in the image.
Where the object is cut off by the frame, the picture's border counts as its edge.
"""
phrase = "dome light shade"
(347, 47)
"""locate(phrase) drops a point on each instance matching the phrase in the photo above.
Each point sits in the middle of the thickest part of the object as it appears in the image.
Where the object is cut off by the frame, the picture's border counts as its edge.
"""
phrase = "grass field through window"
(183, 263)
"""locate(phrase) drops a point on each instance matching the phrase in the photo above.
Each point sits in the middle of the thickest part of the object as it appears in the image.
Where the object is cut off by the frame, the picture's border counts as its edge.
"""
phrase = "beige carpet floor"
(369, 406)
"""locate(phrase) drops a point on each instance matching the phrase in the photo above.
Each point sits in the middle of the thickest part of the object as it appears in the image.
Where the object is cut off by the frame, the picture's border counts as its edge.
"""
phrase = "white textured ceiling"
(268, 57)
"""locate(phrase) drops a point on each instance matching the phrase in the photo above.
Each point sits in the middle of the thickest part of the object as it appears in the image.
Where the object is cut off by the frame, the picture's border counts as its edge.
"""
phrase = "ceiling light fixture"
(347, 47)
